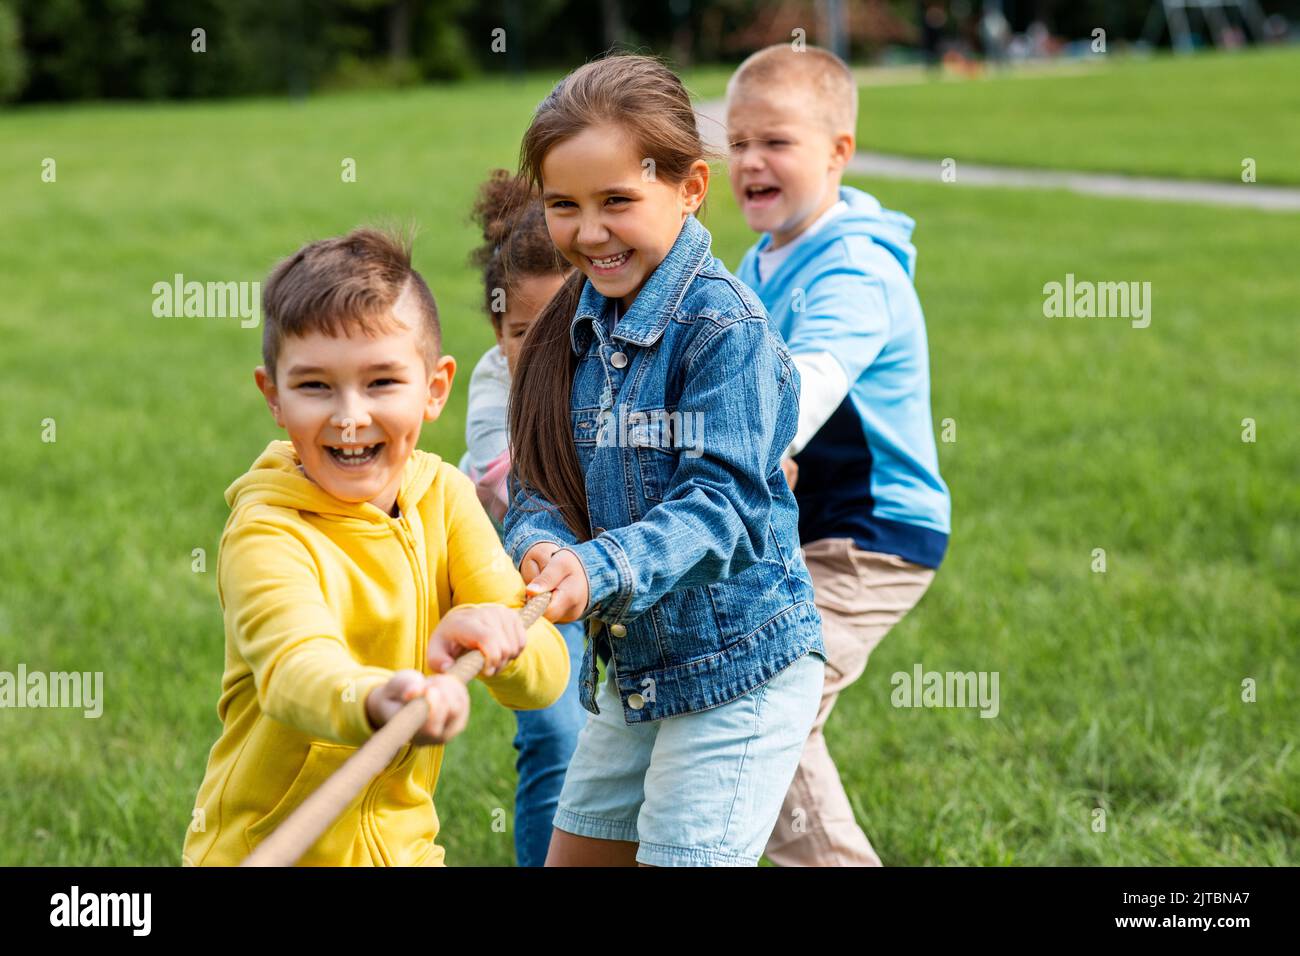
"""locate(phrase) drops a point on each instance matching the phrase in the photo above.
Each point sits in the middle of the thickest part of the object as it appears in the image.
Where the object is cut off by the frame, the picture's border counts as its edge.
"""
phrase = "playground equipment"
(1213, 12)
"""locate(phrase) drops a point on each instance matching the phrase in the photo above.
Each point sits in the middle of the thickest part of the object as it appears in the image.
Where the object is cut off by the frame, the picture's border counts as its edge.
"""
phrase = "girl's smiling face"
(608, 214)
(354, 405)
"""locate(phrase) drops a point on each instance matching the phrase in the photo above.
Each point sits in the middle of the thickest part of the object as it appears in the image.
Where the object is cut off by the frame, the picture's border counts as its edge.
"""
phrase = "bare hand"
(791, 471)
(535, 558)
(564, 576)
(494, 630)
(448, 704)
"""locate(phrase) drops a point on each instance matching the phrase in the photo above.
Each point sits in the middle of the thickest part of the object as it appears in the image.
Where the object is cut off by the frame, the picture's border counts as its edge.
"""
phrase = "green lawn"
(1196, 117)
(1119, 690)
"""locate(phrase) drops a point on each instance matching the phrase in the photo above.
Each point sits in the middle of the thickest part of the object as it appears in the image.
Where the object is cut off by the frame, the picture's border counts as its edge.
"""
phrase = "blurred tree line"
(76, 49)
(80, 49)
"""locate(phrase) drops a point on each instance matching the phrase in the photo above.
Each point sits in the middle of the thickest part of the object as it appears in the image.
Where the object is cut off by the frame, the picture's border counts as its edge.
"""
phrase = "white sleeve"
(822, 387)
(485, 418)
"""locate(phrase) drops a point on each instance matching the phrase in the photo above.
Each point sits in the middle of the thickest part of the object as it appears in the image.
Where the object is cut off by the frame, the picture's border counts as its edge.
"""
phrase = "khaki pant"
(861, 595)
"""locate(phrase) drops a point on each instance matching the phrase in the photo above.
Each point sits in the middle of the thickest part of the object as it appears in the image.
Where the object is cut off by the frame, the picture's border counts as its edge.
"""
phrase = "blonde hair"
(820, 73)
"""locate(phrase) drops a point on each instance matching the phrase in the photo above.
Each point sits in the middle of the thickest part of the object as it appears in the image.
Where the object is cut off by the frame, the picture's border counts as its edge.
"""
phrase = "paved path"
(1251, 195)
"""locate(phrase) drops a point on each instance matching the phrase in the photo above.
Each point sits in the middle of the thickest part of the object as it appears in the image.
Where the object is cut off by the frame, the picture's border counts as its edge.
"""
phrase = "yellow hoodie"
(323, 600)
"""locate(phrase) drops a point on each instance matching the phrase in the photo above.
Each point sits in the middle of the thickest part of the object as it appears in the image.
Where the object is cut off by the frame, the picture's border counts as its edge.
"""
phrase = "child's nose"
(350, 412)
(591, 232)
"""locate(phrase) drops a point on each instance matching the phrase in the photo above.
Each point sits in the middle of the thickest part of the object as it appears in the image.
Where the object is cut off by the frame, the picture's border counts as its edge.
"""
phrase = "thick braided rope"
(315, 814)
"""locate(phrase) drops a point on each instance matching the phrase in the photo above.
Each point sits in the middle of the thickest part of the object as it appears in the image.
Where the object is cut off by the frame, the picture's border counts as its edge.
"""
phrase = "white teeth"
(612, 261)
(357, 453)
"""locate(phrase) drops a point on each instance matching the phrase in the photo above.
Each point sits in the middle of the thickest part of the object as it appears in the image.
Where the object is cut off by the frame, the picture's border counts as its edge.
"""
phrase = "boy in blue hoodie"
(834, 270)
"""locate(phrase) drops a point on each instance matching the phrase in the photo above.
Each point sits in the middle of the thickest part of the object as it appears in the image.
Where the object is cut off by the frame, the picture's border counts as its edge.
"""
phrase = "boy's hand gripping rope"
(315, 814)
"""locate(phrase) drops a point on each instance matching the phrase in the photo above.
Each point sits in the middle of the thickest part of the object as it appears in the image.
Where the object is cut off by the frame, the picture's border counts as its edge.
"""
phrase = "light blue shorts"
(702, 789)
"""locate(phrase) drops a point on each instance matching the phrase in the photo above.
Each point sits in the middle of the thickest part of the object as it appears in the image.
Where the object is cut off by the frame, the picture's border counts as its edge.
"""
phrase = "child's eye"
(618, 198)
(381, 382)
(560, 203)
(311, 385)
(778, 142)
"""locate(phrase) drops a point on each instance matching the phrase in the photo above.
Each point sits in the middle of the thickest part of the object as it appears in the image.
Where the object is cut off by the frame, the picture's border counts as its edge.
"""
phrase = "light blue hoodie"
(871, 472)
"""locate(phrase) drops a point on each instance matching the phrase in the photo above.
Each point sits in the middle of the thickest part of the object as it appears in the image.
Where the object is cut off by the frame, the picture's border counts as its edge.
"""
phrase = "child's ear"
(440, 379)
(267, 387)
(695, 186)
(842, 147)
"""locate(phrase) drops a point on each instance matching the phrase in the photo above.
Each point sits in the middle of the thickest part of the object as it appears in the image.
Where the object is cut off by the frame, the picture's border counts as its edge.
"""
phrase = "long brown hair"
(648, 101)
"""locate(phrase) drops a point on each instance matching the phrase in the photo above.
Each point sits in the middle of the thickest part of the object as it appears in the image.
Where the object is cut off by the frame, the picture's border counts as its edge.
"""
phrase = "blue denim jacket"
(681, 412)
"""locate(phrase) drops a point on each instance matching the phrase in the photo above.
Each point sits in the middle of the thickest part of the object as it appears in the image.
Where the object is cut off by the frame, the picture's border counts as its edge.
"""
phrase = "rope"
(314, 815)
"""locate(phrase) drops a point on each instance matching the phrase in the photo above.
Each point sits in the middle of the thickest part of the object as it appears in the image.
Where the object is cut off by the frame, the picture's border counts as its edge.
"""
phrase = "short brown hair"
(348, 282)
(819, 72)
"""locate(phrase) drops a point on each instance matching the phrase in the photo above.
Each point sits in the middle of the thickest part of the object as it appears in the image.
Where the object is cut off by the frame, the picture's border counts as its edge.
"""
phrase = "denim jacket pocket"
(767, 583)
(650, 434)
(586, 433)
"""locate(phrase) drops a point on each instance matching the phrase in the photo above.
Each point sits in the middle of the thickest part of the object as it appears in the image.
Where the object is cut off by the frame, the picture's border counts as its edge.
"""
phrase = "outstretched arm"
(304, 673)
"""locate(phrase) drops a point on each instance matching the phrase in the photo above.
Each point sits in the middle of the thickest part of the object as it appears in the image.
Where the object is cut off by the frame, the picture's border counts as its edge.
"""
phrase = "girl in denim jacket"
(650, 408)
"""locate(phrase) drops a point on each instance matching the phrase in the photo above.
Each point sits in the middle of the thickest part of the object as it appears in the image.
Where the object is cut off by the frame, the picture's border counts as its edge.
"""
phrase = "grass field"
(1119, 690)
(1165, 116)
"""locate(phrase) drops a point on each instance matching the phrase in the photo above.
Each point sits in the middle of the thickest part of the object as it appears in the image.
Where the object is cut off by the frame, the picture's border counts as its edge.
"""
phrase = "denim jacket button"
(635, 701)
(597, 531)
(618, 360)
(618, 630)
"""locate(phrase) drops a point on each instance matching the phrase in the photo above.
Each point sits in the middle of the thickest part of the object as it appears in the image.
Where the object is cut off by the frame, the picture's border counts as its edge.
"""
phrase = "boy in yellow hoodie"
(352, 565)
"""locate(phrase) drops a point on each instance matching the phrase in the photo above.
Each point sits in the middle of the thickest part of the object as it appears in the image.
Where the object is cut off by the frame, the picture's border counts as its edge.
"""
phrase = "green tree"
(13, 62)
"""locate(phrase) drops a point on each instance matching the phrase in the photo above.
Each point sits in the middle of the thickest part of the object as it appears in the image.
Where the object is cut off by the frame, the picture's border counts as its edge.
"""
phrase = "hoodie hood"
(276, 478)
(888, 228)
